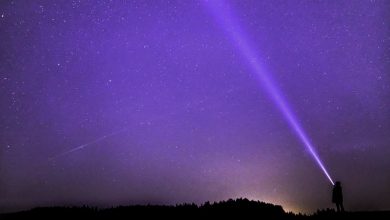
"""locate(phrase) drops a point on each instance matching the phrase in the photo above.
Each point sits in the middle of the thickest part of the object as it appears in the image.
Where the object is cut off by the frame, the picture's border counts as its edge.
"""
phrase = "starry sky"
(135, 102)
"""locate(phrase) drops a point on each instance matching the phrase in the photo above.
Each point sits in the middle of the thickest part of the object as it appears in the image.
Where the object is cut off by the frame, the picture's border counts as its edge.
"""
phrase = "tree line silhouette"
(241, 208)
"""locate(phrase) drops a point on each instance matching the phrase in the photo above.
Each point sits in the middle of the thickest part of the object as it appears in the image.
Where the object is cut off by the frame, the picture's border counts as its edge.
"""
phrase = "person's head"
(338, 183)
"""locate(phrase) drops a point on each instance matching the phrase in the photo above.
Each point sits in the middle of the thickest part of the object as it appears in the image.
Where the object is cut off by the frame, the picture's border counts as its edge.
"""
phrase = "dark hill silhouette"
(230, 209)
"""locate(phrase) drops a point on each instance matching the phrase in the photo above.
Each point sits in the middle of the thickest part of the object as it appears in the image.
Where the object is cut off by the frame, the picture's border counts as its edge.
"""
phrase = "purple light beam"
(224, 17)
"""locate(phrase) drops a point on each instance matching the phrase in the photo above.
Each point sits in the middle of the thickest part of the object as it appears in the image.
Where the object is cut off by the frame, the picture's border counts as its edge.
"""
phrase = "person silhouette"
(337, 197)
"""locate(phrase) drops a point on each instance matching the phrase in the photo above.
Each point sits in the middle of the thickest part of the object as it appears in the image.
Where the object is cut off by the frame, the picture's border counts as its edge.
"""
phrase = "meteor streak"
(225, 18)
(87, 144)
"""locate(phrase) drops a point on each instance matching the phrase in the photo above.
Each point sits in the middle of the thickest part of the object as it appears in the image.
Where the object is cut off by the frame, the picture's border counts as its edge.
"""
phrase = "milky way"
(131, 102)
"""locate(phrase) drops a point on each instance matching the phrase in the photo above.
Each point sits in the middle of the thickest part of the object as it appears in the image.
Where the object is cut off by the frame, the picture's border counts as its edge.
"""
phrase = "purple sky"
(118, 102)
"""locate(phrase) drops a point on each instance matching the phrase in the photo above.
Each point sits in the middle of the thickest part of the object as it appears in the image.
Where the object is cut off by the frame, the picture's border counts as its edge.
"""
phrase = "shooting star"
(87, 144)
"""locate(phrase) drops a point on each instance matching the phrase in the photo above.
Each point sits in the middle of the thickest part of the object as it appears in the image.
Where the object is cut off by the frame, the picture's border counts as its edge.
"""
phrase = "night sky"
(135, 102)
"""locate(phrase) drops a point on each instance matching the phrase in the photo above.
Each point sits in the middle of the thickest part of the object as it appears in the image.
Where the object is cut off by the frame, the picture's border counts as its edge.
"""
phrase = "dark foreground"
(231, 209)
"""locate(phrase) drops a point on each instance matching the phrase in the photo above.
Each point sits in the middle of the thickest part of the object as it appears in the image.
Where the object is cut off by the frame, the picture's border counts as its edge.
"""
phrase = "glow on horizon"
(224, 17)
(287, 206)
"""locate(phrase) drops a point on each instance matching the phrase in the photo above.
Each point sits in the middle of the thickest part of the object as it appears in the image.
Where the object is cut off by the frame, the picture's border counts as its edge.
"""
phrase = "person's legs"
(338, 206)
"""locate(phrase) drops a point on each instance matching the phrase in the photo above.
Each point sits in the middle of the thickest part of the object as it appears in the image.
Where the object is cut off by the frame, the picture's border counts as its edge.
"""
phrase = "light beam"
(225, 18)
